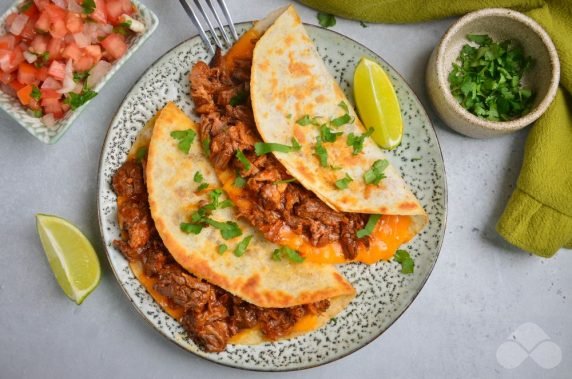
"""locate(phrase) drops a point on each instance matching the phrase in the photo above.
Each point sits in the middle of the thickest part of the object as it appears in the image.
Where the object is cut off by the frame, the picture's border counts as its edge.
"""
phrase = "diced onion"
(7, 89)
(97, 73)
(60, 3)
(73, 6)
(82, 40)
(134, 25)
(49, 120)
(18, 24)
(51, 83)
(30, 57)
(68, 83)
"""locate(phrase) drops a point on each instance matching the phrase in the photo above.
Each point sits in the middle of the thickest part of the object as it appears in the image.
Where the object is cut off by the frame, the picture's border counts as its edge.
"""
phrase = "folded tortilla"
(288, 81)
(254, 277)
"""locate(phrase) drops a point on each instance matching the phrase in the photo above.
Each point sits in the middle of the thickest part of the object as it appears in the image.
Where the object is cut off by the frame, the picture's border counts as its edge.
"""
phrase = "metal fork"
(204, 15)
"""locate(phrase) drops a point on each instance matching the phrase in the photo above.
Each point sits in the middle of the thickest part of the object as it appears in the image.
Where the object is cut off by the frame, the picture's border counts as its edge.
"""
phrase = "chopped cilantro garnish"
(38, 113)
(88, 6)
(307, 120)
(242, 246)
(321, 153)
(228, 230)
(239, 181)
(289, 116)
(80, 76)
(185, 138)
(407, 263)
(24, 7)
(242, 158)
(368, 228)
(344, 106)
(344, 182)
(326, 20)
(222, 248)
(486, 79)
(198, 178)
(191, 227)
(141, 153)
(77, 100)
(214, 197)
(356, 141)
(202, 187)
(207, 146)
(261, 148)
(327, 135)
(375, 174)
(239, 98)
(286, 252)
(36, 94)
(226, 204)
(342, 120)
(285, 181)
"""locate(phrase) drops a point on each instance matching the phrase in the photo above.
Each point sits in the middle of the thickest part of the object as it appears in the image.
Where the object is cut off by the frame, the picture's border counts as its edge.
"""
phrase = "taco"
(292, 154)
(219, 277)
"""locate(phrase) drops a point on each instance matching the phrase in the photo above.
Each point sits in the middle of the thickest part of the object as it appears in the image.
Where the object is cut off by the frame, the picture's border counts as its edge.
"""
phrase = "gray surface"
(480, 291)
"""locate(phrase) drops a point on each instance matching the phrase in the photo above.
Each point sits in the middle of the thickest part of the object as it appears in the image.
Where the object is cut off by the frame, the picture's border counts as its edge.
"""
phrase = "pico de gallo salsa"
(55, 51)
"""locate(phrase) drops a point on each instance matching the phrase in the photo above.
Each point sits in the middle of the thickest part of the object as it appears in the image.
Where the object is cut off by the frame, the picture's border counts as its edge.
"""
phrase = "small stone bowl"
(500, 24)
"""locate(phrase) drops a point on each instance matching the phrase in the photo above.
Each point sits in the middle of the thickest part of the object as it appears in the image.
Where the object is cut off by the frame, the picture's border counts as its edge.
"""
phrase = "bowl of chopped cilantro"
(495, 71)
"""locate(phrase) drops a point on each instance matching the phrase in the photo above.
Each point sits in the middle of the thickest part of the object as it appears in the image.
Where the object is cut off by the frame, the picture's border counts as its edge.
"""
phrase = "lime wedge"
(72, 258)
(377, 104)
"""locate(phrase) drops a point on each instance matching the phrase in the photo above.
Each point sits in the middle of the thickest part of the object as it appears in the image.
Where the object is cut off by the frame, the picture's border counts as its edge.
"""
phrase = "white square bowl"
(34, 125)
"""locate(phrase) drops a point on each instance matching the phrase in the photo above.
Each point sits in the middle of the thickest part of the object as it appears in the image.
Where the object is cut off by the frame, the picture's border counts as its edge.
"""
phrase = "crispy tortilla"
(254, 277)
(289, 80)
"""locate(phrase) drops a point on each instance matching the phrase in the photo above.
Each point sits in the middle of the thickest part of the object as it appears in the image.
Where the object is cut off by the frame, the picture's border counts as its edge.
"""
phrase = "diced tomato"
(57, 70)
(42, 73)
(39, 44)
(7, 42)
(49, 94)
(10, 60)
(32, 11)
(55, 12)
(25, 94)
(55, 47)
(127, 6)
(53, 106)
(58, 28)
(115, 45)
(99, 13)
(6, 78)
(16, 85)
(65, 107)
(72, 52)
(74, 22)
(114, 10)
(27, 73)
(43, 22)
(94, 51)
(85, 63)
(29, 30)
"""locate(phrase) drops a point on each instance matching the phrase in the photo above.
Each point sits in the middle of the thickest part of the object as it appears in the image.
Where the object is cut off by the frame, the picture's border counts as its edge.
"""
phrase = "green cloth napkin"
(538, 216)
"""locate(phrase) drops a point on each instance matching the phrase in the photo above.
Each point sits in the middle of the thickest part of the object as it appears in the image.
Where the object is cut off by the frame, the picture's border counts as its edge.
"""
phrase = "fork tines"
(197, 12)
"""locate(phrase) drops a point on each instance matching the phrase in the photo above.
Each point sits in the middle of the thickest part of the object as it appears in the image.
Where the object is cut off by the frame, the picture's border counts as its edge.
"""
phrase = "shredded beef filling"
(274, 205)
(211, 315)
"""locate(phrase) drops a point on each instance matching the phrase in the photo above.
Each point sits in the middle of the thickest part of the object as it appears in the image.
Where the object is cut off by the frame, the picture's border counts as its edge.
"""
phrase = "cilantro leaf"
(185, 138)
(191, 227)
(198, 178)
(375, 174)
(344, 182)
(327, 135)
(88, 6)
(286, 252)
(261, 148)
(36, 94)
(321, 152)
(356, 142)
(326, 20)
(242, 158)
(202, 187)
(228, 230)
(24, 7)
(239, 98)
(368, 228)
(80, 76)
(342, 120)
(242, 246)
(407, 263)
(222, 248)
(77, 100)
(239, 181)
(207, 146)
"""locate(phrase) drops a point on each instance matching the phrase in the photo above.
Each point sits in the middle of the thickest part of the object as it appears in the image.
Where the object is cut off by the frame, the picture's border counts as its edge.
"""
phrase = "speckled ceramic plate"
(52, 134)
(383, 293)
